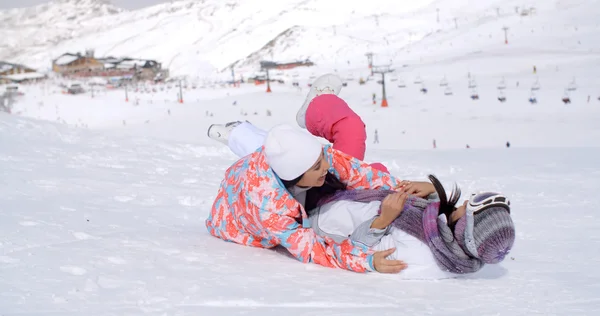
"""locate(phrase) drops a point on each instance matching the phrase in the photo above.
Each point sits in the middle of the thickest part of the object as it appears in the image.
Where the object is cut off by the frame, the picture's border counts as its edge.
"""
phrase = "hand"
(382, 265)
(391, 207)
(420, 189)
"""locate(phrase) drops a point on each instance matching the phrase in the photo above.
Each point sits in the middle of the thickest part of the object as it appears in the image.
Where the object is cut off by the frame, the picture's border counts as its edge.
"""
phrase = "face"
(315, 176)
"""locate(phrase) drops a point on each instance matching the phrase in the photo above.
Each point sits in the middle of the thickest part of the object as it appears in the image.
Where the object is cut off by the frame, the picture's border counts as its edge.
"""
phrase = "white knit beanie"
(291, 152)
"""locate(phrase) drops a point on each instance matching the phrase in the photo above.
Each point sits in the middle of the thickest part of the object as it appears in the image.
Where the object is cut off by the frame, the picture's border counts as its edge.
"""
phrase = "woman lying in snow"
(261, 201)
(434, 238)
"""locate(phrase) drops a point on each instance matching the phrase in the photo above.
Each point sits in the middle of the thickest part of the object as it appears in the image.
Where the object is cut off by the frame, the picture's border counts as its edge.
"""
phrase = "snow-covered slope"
(100, 224)
(198, 37)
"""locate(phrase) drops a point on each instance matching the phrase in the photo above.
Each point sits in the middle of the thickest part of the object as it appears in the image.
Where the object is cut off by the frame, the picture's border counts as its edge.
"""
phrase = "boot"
(221, 132)
(326, 84)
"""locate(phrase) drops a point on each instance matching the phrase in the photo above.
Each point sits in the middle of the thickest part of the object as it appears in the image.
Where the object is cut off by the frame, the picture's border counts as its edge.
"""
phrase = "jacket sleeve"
(357, 174)
(304, 244)
(368, 236)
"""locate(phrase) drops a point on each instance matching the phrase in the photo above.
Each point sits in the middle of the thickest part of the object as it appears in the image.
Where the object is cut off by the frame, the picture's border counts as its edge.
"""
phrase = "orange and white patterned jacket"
(253, 208)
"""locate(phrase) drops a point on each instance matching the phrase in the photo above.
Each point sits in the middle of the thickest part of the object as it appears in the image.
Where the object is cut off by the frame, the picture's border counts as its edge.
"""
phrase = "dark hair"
(447, 207)
(313, 195)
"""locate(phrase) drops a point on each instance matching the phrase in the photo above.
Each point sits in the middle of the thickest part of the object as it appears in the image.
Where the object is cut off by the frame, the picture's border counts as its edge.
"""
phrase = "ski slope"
(104, 200)
(108, 219)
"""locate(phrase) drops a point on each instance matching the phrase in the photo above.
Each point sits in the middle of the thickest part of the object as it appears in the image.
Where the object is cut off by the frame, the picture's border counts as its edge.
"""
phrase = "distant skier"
(468, 146)
(376, 138)
(434, 144)
(374, 98)
(534, 70)
(507, 144)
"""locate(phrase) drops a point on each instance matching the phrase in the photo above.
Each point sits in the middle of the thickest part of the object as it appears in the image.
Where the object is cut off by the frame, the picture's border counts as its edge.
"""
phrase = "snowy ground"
(109, 219)
(103, 203)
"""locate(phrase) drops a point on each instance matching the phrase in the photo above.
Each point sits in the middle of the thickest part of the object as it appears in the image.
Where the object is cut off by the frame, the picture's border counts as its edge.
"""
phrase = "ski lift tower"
(383, 70)
(370, 60)
(265, 66)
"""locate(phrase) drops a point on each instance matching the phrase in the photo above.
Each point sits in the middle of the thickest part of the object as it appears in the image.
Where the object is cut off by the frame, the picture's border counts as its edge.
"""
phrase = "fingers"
(411, 189)
(388, 266)
(402, 199)
(398, 197)
(385, 253)
(403, 184)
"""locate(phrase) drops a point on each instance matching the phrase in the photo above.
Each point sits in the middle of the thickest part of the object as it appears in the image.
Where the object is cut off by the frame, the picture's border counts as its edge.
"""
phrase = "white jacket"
(348, 219)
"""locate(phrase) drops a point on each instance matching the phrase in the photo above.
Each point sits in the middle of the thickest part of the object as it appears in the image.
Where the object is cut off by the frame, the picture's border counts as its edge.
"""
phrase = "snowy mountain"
(200, 37)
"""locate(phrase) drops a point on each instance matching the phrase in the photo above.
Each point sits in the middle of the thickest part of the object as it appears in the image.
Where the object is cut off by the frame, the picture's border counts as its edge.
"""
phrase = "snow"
(202, 38)
(24, 76)
(66, 59)
(5, 67)
(109, 219)
(104, 201)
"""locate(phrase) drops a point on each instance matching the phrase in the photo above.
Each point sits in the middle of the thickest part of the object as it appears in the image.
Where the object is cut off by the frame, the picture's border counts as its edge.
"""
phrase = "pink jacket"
(253, 208)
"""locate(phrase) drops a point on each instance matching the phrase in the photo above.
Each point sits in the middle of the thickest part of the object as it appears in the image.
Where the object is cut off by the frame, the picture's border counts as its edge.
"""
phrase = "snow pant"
(328, 117)
(245, 139)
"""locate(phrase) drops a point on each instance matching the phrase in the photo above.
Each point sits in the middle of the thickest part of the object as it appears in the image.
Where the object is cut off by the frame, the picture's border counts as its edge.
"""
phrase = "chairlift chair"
(472, 84)
(401, 84)
(444, 82)
(572, 85)
(474, 95)
(566, 99)
(501, 97)
(448, 91)
(532, 98)
(418, 80)
(536, 86)
(502, 85)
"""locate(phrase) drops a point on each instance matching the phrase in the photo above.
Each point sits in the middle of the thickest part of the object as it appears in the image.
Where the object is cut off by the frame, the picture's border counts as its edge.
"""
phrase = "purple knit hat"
(493, 234)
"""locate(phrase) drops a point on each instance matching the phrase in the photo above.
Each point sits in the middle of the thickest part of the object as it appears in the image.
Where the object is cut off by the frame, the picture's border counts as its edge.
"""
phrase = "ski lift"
(532, 98)
(501, 96)
(418, 80)
(394, 79)
(474, 94)
(566, 99)
(350, 78)
(401, 83)
(572, 86)
(423, 89)
(472, 84)
(502, 84)
(444, 82)
(448, 91)
(536, 85)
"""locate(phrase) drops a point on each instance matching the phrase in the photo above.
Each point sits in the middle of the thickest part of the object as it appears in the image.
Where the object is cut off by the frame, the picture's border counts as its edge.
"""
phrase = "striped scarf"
(419, 218)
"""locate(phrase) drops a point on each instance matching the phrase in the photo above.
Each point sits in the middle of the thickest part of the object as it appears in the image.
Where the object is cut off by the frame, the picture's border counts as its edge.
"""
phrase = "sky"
(126, 4)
